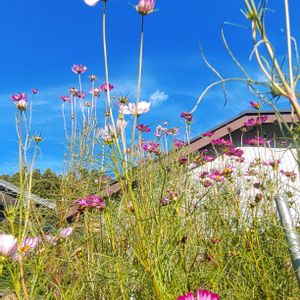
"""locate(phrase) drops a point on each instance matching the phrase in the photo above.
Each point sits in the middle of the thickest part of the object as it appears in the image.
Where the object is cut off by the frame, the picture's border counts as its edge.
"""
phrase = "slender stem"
(138, 87)
(288, 36)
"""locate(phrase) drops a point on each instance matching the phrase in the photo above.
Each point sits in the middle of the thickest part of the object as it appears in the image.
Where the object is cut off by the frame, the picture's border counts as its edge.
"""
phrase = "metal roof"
(9, 187)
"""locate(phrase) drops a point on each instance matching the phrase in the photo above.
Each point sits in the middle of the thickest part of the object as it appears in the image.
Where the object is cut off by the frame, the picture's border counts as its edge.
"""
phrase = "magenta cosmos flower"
(255, 105)
(65, 99)
(79, 69)
(200, 295)
(8, 244)
(143, 128)
(19, 97)
(145, 7)
(103, 87)
(187, 116)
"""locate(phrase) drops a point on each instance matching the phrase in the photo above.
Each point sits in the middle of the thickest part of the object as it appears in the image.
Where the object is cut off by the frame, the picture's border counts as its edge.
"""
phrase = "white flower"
(131, 108)
(8, 244)
(91, 2)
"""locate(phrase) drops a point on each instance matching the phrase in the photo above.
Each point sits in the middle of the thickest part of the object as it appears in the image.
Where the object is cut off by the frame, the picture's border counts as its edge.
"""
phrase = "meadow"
(137, 216)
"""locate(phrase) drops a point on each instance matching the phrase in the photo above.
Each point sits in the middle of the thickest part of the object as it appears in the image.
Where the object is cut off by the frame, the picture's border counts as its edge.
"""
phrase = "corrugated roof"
(9, 187)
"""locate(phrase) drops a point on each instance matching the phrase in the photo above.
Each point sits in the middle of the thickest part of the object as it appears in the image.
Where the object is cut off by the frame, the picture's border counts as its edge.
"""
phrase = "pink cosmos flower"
(28, 244)
(34, 91)
(143, 128)
(209, 158)
(183, 160)
(178, 143)
(250, 123)
(217, 176)
(90, 201)
(257, 141)
(187, 116)
(19, 97)
(234, 152)
(65, 232)
(208, 134)
(8, 244)
(222, 142)
(261, 119)
(151, 147)
(103, 87)
(207, 183)
(80, 95)
(79, 69)
(200, 295)
(91, 2)
(255, 105)
(65, 98)
(131, 108)
(145, 7)
(289, 174)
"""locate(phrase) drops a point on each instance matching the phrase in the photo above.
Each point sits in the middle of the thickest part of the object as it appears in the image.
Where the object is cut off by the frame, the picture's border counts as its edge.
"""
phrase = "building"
(9, 194)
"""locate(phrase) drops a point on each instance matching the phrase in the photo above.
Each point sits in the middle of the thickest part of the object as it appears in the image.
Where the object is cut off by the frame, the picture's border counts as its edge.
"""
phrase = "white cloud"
(158, 97)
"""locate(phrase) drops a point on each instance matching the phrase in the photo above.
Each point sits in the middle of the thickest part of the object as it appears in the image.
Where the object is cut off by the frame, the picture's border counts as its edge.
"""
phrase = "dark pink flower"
(187, 116)
(79, 69)
(209, 158)
(207, 183)
(217, 176)
(255, 105)
(222, 142)
(65, 98)
(289, 174)
(80, 95)
(34, 91)
(143, 128)
(103, 87)
(151, 147)
(183, 160)
(164, 201)
(250, 123)
(208, 134)
(145, 7)
(200, 295)
(91, 201)
(19, 97)
(257, 141)
(178, 143)
(234, 152)
(261, 119)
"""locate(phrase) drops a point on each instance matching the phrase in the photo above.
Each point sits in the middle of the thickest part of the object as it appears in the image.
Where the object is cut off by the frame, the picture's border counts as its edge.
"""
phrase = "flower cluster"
(221, 142)
(9, 244)
(200, 295)
(255, 122)
(151, 147)
(257, 141)
(187, 116)
(20, 100)
(93, 201)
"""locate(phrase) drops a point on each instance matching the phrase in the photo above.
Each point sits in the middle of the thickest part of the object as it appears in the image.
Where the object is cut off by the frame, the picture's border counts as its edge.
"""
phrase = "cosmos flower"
(103, 87)
(255, 105)
(200, 295)
(21, 105)
(28, 244)
(95, 92)
(65, 232)
(145, 7)
(143, 128)
(91, 201)
(19, 97)
(208, 134)
(34, 91)
(151, 147)
(187, 116)
(65, 98)
(79, 69)
(131, 109)
(222, 142)
(178, 143)
(257, 141)
(8, 244)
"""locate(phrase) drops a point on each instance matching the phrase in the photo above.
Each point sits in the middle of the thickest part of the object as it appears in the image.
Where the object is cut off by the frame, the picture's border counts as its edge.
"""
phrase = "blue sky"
(40, 43)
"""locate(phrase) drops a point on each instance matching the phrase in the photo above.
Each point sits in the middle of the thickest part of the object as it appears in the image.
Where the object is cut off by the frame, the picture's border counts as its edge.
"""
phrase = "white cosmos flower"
(131, 108)
(107, 133)
(91, 2)
(8, 244)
